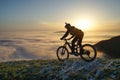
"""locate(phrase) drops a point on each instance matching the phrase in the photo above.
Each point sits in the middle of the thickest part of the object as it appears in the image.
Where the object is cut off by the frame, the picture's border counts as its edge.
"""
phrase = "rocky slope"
(72, 69)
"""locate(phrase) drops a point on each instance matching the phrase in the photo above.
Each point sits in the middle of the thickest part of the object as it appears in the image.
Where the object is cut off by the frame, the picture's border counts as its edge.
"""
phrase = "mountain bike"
(87, 51)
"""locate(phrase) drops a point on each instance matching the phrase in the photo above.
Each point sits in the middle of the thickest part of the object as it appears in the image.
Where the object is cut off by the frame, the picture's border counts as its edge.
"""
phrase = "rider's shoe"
(71, 53)
(76, 54)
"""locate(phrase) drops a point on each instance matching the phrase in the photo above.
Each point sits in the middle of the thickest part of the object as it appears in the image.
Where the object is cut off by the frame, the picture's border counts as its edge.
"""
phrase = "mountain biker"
(76, 33)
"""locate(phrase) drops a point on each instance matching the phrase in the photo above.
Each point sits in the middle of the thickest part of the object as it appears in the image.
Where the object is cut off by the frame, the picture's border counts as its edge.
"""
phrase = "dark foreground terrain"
(72, 69)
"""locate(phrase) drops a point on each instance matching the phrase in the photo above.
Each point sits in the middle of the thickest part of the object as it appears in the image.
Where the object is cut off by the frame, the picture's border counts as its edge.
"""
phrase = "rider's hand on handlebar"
(61, 38)
(68, 38)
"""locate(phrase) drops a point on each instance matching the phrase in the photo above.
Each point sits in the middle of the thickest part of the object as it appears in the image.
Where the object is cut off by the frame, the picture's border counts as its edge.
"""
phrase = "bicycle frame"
(67, 43)
(70, 47)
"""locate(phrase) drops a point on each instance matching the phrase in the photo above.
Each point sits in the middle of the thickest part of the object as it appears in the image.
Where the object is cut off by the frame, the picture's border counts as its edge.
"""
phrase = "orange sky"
(51, 14)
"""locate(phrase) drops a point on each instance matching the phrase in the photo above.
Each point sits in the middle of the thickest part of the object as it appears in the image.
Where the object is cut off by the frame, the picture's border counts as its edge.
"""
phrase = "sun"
(84, 24)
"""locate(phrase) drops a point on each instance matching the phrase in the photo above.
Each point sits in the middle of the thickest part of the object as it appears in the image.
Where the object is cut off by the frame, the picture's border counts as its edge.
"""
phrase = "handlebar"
(66, 40)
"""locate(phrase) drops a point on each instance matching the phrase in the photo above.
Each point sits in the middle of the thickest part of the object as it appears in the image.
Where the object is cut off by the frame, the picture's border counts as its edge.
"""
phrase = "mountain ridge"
(110, 47)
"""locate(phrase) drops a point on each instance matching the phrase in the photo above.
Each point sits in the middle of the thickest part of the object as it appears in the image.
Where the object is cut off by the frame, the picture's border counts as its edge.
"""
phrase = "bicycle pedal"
(71, 53)
(76, 54)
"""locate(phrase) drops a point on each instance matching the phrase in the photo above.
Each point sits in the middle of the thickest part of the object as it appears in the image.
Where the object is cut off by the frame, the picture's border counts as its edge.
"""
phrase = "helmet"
(67, 25)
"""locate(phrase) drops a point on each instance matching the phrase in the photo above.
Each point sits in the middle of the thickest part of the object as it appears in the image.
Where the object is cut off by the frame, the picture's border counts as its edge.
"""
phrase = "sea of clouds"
(29, 45)
(25, 45)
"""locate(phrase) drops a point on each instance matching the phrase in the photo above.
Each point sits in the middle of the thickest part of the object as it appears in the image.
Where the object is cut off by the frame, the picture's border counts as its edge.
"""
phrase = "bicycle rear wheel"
(88, 52)
(62, 53)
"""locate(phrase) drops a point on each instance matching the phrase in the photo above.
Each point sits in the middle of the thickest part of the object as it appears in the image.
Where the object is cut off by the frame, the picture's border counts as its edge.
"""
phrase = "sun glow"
(83, 24)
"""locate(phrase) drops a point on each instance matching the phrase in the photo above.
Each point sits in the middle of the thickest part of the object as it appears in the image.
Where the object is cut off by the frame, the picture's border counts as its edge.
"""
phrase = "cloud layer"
(28, 45)
(38, 45)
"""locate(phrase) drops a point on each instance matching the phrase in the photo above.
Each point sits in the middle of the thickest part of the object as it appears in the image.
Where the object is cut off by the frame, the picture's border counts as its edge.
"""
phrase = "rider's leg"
(80, 37)
(73, 44)
(80, 43)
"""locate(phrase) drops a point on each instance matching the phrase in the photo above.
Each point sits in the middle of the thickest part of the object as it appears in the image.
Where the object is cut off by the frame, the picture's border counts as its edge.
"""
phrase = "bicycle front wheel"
(62, 53)
(88, 53)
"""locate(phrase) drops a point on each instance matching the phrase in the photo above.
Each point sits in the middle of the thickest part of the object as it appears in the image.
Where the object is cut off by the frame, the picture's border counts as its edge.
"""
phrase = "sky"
(52, 14)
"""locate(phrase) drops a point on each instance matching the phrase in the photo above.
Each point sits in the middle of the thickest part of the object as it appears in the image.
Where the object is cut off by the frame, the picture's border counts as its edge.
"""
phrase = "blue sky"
(40, 14)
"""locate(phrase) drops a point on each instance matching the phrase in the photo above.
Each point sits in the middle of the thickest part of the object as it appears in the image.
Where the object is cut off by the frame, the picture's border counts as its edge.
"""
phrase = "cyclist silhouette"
(76, 33)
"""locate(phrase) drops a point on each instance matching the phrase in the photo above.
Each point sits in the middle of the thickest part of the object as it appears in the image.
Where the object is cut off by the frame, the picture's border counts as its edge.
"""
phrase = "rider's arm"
(65, 35)
(71, 37)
